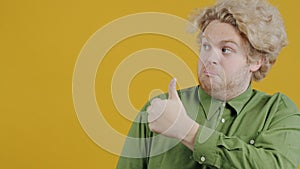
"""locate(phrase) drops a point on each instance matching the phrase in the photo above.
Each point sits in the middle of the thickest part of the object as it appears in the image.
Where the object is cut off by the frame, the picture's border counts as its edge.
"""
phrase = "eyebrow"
(230, 41)
(203, 36)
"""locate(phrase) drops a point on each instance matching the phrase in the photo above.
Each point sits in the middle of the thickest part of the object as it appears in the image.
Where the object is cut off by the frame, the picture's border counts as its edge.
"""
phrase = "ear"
(256, 65)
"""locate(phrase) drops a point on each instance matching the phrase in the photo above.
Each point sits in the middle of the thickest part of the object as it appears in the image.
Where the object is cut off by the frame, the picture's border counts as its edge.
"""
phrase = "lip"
(209, 73)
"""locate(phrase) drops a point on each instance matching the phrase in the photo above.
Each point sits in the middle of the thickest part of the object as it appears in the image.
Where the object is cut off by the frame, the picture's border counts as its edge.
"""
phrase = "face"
(223, 71)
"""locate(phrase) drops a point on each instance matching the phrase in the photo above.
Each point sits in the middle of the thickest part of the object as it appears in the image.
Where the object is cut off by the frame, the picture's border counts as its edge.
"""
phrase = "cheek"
(229, 68)
(233, 69)
(200, 64)
(233, 64)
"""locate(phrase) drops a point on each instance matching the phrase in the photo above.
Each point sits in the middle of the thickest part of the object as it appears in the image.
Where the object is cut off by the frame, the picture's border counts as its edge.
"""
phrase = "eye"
(206, 47)
(226, 50)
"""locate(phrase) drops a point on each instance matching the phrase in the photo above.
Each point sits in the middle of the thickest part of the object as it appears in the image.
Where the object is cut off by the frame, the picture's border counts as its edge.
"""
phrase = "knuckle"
(155, 100)
(148, 108)
(151, 127)
(150, 118)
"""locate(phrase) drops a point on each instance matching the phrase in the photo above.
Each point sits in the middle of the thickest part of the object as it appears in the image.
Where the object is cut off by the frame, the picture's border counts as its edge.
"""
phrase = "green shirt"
(253, 130)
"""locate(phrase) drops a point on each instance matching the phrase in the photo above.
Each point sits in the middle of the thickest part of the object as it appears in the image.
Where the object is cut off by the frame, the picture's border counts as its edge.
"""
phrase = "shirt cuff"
(205, 147)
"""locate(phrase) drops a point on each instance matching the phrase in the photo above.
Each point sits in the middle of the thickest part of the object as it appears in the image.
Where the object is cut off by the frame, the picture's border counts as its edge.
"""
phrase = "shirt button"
(223, 120)
(252, 141)
(202, 159)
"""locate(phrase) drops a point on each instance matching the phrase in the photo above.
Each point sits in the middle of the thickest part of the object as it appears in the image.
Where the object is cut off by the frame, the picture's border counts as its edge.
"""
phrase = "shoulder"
(189, 96)
(188, 91)
(278, 102)
(183, 93)
(285, 103)
(277, 109)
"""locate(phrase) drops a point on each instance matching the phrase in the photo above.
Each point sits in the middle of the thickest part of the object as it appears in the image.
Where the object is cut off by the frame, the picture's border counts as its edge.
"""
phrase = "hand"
(169, 117)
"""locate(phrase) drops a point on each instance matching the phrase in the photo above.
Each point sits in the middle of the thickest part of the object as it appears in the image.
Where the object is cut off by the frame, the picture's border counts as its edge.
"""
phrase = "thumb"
(172, 89)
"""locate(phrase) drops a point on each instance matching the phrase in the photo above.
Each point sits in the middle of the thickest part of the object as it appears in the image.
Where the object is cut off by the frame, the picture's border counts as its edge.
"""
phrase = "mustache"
(212, 68)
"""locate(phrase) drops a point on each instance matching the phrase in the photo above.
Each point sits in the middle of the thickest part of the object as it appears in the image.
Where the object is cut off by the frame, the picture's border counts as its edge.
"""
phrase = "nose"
(212, 60)
(210, 57)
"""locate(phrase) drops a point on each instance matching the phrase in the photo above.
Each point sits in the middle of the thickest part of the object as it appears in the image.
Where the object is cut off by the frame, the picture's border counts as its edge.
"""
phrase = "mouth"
(209, 73)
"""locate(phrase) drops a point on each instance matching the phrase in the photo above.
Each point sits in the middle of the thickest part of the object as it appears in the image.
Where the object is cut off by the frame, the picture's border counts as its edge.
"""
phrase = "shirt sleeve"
(137, 145)
(276, 147)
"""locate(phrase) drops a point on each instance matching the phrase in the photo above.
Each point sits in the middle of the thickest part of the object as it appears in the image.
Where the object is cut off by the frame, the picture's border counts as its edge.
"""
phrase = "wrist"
(189, 139)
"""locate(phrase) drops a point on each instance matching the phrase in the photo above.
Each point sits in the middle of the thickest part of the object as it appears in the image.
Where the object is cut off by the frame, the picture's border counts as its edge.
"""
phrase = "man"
(223, 122)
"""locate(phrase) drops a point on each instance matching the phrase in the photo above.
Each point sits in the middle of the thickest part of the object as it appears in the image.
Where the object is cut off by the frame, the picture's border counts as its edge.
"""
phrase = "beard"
(222, 88)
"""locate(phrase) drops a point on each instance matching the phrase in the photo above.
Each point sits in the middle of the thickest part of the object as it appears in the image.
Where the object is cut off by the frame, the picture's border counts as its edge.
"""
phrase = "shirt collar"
(239, 102)
(211, 105)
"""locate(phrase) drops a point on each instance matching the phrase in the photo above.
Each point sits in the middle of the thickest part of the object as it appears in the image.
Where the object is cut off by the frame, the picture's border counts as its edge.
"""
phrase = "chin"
(211, 83)
(214, 88)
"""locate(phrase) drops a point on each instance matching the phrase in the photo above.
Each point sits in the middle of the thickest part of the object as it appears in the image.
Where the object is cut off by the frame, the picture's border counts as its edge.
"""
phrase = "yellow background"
(40, 42)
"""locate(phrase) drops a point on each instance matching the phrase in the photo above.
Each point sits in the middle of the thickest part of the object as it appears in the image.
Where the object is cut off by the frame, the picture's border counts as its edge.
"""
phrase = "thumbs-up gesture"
(169, 117)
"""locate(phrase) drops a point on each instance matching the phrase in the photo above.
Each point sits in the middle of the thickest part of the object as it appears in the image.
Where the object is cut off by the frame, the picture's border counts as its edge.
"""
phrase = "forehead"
(217, 32)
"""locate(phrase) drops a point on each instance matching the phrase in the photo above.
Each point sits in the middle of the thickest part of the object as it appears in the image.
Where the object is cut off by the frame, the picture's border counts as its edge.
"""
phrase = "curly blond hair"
(258, 22)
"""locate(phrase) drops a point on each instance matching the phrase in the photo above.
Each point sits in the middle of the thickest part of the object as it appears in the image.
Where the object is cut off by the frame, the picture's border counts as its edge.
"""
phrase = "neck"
(229, 93)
